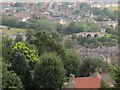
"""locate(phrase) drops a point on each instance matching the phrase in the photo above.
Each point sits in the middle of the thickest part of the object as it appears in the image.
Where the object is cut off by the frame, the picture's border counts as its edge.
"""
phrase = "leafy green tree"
(100, 18)
(74, 27)
(81, 40)
(22, 61)
(106, 11)
(92, 27)
(72, 62)
(59, 28)
(69, 43)
(45, 43)
(89, 65)
(41, 24)
(49, 72)
(115, 73)
(56, 36)
(10, 80)
(84, 6)
(110, 30)
(28, 52)
(10, 21)
(30, 36)
(20, 66)
(115, 15)
(92, 42)
(6, 47)
(97, 11)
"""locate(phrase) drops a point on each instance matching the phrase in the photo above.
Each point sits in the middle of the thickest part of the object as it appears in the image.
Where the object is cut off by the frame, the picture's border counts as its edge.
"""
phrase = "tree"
(21, 68)
(106, 11)
(28, 52)
(6, 48)
(10, 21)
(115, 73)
(89, 65)
(92, 42)
(41, 24)
(100, 18)
(97, 11)
(72, 62)
(92, 27)
(10, 80)
(74, 27)
(84, 6)
(18, 5)
(49, 72)
(59, 28)
(69, 43)
(82, 40)
(22, 58)
(18, 38)
(56, 36)
(30, 36)
(45, 43)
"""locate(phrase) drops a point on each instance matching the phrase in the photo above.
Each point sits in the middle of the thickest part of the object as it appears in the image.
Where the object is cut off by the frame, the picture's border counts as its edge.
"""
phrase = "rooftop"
(87, 82)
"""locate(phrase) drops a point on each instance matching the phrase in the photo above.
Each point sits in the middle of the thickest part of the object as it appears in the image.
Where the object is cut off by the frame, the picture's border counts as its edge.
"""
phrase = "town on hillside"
(60, 45)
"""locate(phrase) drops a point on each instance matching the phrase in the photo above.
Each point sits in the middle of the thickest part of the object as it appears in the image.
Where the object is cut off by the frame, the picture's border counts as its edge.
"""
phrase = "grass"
(12, 31)
(113, 8)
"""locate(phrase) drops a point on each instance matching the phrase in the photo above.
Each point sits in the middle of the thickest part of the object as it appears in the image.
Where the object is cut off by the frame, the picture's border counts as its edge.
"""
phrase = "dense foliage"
(72, 62)
(45, 43)
(6, 48)
(115, 73)
(46, 58)
(76, 27)
(49, 72)
(10, 80)
(90, 65)
(29, 53)
(23, 60)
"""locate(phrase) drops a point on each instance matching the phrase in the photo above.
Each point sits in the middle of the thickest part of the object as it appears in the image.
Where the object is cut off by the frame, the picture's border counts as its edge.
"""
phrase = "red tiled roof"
(87, 82)
(22, 15)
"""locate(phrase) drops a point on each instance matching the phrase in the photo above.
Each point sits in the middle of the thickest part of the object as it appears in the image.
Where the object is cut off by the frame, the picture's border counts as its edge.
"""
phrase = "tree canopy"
(49, 72)
(90, 65)
(45, 43)
(6, 47)
(22, 61)
(29, 53)
(72, 62)
(115, 73)
(10, 80)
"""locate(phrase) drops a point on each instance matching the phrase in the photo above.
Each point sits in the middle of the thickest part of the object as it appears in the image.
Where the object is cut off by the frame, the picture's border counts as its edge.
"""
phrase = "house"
(22, 16)
(3, 27)
(105, 77)
(83, 82)
(63, 22)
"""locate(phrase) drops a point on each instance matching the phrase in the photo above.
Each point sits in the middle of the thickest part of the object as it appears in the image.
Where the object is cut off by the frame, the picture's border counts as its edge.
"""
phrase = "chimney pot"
(72, 76)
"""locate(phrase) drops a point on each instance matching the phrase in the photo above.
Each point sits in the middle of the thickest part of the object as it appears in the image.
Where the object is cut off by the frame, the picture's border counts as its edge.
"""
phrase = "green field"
(113, 8)
(12, 31)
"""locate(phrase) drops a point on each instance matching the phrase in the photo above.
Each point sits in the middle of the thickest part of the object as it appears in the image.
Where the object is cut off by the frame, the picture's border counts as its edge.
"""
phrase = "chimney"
(99, 70)
(72, 77)
(99, 76)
